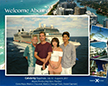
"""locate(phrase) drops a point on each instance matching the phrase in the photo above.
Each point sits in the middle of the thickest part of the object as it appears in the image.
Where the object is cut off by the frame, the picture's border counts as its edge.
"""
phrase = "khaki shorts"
(31, 70)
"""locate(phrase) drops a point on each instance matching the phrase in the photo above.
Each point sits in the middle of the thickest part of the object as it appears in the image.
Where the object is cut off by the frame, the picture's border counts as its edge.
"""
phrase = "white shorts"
(66, 70)
(31, 70)
(39, 71)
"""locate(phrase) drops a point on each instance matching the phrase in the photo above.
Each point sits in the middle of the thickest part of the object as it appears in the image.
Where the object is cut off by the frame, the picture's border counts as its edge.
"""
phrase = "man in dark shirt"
(42, 53)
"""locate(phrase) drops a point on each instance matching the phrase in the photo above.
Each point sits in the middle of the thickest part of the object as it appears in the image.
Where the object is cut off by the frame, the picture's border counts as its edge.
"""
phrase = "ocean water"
(98, 44)
(2, 46)
(20, 4)
(17, 64)
(81, 66)
(23, 4)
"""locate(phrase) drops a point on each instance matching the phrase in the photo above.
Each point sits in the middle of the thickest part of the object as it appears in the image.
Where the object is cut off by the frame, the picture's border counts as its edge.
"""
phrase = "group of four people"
(46, 58)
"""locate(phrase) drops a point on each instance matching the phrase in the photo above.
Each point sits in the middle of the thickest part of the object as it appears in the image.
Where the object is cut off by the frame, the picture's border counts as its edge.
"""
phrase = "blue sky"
(98, 31)
(76, 25)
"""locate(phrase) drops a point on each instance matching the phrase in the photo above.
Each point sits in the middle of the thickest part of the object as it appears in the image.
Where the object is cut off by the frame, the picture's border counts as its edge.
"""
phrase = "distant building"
(65, 8)
(77, 11)
(83, 10)
(105, 22)
(68, 4)
(80, 10)
(60, 11)
(68, 11)
(93, 18)
(92, 0)
(65, 0)
(100, 25)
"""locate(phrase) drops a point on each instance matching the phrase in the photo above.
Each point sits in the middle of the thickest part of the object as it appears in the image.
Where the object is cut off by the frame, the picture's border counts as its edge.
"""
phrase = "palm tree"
(91, 35)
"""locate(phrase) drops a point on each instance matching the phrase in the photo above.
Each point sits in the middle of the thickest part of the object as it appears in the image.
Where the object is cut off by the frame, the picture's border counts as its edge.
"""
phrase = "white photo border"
(47, 16)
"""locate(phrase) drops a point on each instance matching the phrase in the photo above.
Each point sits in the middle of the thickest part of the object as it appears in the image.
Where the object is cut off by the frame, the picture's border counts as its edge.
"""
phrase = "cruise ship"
(51, 32)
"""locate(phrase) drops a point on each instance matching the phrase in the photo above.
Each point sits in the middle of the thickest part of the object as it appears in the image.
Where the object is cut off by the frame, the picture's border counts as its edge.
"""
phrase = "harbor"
(73, 7)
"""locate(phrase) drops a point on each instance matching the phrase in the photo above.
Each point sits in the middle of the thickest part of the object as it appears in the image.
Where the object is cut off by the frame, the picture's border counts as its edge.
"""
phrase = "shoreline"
(2, 66)
(50, 8)
(95, 9)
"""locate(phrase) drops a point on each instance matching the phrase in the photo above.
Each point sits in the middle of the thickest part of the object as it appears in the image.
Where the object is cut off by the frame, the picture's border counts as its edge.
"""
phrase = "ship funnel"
(52, 27)
(44, 25)
(18, 30)
(22, 29)
(39, 24)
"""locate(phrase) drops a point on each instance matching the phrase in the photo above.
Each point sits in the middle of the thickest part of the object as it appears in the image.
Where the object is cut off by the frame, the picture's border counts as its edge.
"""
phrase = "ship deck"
(20, 44)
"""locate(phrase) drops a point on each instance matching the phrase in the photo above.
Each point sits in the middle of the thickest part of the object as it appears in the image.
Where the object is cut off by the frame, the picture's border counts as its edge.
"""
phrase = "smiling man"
(69, 54)
(42, 53)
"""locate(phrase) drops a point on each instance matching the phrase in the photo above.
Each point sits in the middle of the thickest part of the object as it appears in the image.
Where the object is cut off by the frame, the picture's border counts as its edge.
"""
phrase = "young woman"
(56, 56)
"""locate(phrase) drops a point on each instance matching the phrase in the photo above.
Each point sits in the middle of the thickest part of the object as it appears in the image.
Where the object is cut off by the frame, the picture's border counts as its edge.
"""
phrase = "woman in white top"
(56, 56)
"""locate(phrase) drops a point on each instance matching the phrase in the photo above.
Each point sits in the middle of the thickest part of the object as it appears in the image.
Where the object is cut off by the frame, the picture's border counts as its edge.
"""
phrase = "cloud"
(75, 18)
(19, 21)
(77, 26)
